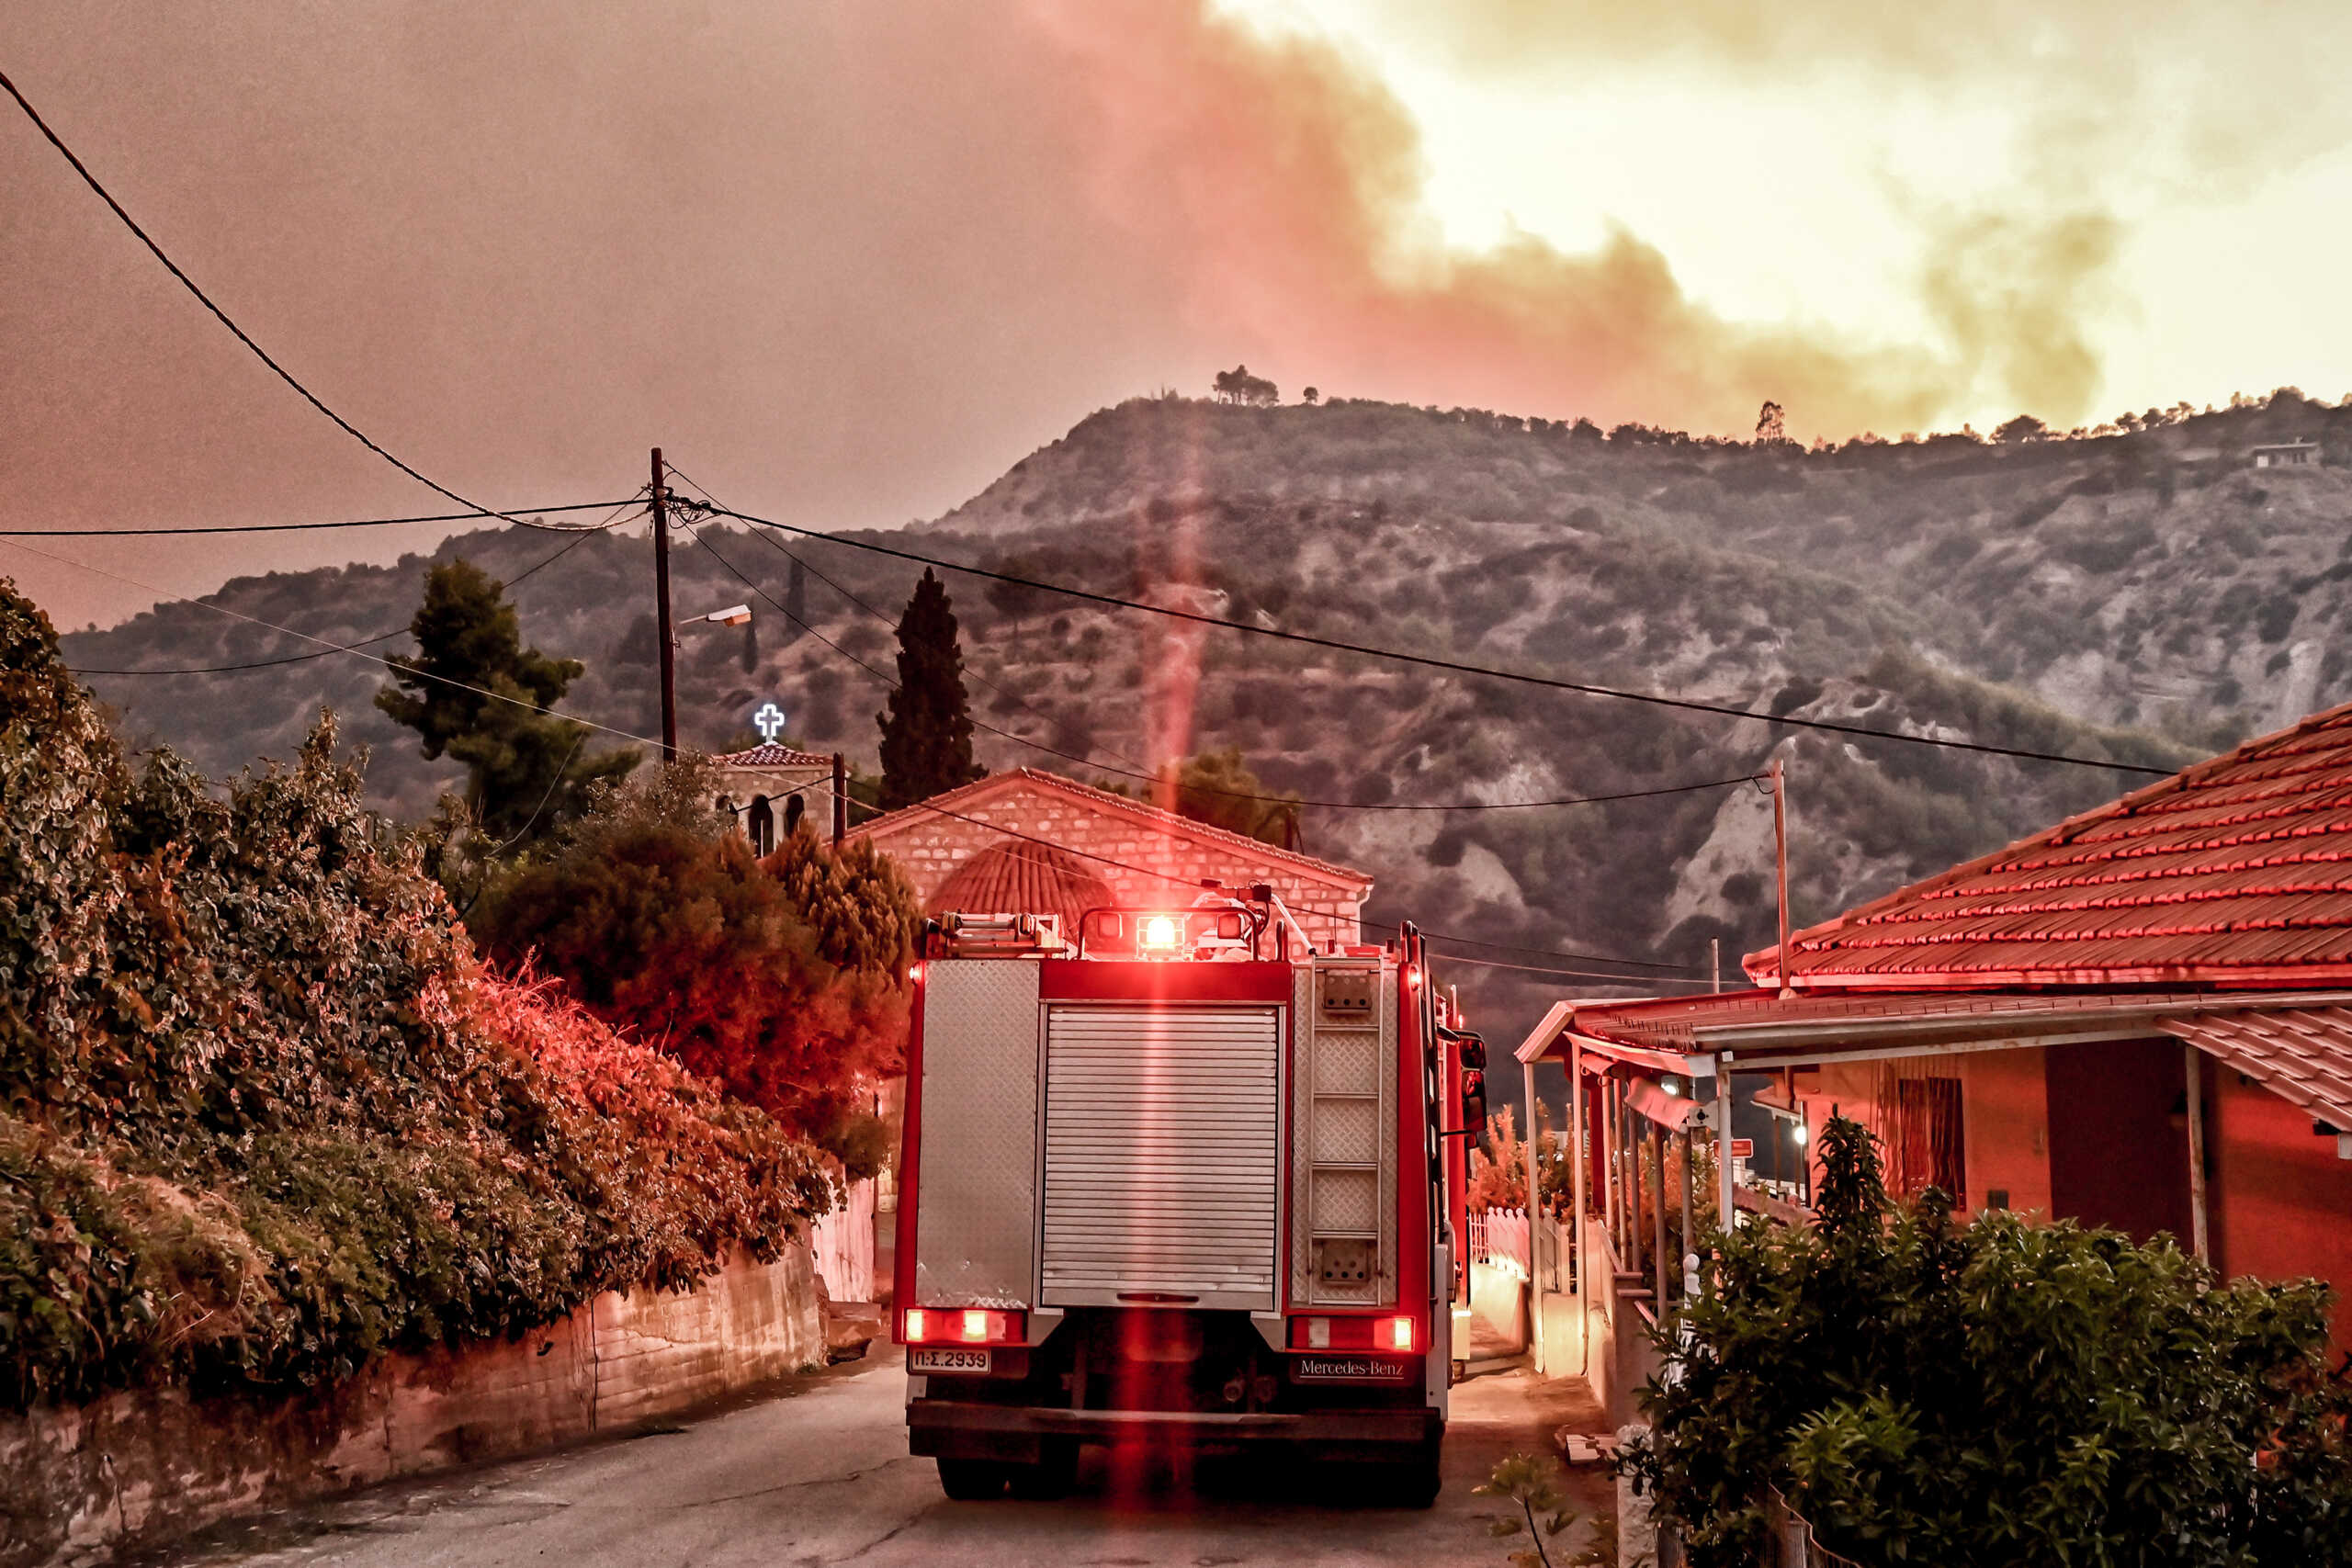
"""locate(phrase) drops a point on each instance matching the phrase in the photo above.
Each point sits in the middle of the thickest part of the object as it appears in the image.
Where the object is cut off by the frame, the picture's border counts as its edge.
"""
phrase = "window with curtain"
(1926, 1149)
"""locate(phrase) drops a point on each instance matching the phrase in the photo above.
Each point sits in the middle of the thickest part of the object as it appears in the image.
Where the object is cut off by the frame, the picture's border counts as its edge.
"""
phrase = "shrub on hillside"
(1996, 1392)
(782, 981)
(266, 1118)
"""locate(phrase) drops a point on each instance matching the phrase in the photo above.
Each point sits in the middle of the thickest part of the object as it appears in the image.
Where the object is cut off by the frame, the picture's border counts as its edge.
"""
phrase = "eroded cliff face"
(2146, 598)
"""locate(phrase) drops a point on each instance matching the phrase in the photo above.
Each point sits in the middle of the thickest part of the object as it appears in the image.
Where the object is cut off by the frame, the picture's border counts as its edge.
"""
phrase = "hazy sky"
(847, 262)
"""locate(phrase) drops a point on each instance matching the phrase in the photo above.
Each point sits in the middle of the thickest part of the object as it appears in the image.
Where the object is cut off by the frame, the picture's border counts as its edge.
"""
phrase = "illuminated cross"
(769, 722)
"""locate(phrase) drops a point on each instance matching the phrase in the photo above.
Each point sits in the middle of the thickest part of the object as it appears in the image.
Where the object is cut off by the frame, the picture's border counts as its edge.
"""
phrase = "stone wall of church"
(930, 849)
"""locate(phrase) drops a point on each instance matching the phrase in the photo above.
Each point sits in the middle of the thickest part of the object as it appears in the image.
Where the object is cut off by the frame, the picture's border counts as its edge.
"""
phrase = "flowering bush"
(263, 1115)
(783, 981)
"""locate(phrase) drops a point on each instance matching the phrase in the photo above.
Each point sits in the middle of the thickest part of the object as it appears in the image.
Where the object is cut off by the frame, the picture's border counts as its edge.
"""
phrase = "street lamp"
(733, 616)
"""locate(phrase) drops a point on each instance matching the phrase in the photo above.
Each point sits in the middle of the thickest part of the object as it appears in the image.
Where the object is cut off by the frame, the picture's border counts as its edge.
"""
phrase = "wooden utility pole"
(661, 632)
(1727, 1207)
(1781, 863)
(841, 799)
(2200, 1239)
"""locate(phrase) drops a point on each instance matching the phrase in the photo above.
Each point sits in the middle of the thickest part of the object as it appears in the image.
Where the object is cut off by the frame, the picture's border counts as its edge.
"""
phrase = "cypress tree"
(927, 733)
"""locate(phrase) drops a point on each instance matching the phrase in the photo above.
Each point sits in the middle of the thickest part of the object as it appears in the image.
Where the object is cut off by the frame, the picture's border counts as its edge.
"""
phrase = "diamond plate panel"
(1302, 1085)
(1338, 1122)
(1389, 1145)
(1347, 1132)
(1347, 1201)
(1346, 1063)
(976, 1192)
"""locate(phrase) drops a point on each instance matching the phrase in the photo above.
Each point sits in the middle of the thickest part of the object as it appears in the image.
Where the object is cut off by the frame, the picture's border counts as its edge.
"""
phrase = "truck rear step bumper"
(1016, 1434)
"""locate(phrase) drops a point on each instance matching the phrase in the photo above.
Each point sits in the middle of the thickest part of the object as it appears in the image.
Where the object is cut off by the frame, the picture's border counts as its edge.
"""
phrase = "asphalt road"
(817, 1471)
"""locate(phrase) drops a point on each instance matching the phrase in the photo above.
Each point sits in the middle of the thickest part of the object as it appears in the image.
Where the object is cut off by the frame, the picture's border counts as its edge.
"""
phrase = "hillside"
(2143, 597)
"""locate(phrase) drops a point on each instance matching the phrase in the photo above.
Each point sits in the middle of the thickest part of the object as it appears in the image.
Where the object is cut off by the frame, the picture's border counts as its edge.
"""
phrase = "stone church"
(1033, 842)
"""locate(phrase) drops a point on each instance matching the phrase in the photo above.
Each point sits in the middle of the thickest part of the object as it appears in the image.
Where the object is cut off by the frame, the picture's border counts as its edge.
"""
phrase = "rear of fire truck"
(1177, 1180)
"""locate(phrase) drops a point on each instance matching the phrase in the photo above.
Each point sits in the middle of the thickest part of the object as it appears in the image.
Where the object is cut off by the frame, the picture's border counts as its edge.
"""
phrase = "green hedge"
(1994, 1393)
(262, 1116)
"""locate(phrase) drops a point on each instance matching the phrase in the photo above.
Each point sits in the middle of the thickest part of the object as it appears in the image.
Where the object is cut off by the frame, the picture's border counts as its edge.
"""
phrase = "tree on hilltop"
(927, 731)
(2023, 428)
(1237, 386)
(473, 691)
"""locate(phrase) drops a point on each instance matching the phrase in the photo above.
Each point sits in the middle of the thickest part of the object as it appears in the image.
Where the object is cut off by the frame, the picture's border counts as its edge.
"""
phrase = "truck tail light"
(1399, 1335)
(960, 1325)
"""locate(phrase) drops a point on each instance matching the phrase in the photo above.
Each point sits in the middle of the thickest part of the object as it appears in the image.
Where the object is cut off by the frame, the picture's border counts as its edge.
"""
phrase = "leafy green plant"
(1996, 1392)
(1533, 1483)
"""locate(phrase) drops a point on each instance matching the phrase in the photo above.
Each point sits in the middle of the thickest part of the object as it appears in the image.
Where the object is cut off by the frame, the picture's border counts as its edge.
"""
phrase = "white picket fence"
(1499, 1236)
(844, 1241)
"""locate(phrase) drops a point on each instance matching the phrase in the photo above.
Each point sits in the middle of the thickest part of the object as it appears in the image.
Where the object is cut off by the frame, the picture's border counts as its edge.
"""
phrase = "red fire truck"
(1179, 1179)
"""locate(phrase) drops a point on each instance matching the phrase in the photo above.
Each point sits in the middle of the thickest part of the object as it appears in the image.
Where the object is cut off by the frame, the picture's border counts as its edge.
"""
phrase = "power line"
(1006, 692)
(329, 652)
(1235, 793)
(256, 664)
(940, 810)
(222, 316)
(1193, 883)
(1455, 666)
(327, 644)
(303, 527)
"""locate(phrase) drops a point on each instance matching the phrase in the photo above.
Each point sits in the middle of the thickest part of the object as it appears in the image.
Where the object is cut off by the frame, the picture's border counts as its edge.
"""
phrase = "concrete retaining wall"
(1499, 1300)
(77, 1484)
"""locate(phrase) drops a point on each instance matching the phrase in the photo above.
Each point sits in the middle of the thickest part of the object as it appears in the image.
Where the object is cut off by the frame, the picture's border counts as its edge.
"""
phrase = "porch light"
(1800, 1134)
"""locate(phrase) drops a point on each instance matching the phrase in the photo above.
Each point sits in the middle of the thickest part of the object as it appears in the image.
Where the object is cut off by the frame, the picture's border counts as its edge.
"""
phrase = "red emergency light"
(960, 1325)
(1162, 933)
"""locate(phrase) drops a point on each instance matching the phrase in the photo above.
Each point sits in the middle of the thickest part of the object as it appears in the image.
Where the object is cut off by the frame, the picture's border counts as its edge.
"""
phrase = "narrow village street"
(820, 1474)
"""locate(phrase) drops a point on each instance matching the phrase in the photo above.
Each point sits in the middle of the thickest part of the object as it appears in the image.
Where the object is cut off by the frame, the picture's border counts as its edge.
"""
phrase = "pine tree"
(927, 733)
(475, 692)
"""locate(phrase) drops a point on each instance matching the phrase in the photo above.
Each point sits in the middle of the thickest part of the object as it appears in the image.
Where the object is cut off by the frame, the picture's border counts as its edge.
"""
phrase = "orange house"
(2140, 1018)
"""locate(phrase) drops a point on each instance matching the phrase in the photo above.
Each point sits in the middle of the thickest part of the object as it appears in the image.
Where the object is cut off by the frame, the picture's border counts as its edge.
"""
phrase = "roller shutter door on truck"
(1163, 1155)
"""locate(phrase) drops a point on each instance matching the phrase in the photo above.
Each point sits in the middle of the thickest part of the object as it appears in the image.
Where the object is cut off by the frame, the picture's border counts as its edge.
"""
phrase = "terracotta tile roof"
(774, 757)
(964, 799)
(2301, 1054)
(2237, 871)
(1014, 876)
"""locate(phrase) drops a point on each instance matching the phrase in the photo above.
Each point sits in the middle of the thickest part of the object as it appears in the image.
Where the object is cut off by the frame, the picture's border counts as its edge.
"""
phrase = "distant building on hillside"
(771, 789)
(2286, 455)
(1028, 842)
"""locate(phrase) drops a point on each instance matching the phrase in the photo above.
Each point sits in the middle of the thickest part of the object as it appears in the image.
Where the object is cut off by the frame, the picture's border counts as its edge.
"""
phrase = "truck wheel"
(1414, 1482)
(1052, 1476)
(972, 1480)
(1418, 1484)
